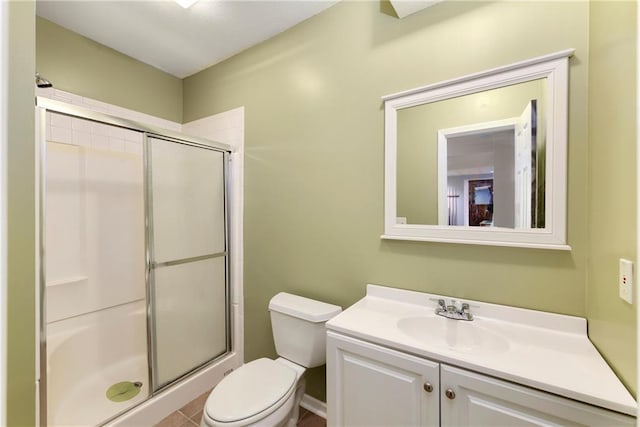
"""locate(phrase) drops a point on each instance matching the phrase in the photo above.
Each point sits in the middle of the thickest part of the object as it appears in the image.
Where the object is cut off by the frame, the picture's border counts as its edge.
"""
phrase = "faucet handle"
(465, 310)
(440, 301)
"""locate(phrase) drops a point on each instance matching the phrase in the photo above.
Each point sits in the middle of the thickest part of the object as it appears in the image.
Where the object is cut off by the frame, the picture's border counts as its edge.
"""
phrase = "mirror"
(480, 159)
(459, 143)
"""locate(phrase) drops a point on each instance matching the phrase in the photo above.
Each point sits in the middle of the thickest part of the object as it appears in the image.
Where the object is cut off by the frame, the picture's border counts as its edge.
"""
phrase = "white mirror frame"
(555, 68)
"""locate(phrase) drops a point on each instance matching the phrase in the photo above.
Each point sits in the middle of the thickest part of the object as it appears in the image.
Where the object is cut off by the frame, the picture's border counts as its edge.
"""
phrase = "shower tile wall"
(102, 107)
(226, 127)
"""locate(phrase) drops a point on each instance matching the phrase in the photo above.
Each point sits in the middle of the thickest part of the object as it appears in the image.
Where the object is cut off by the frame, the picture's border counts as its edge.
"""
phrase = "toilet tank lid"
(303, 308)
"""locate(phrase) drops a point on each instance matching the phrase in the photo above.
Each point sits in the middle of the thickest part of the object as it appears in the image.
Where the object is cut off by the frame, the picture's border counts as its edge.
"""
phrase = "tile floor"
(191, 414)
(309, 419)
(187, 416)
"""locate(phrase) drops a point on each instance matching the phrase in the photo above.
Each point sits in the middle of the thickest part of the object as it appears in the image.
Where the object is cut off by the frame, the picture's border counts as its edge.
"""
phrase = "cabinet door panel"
(369, 385)
(484, 401)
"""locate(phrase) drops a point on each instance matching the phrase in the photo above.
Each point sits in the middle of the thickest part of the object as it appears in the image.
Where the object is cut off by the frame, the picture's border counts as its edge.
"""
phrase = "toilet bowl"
(266, 392)
(260, 393)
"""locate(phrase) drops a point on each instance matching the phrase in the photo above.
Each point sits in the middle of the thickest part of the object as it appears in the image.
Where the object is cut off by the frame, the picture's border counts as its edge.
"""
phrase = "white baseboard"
(314, 405)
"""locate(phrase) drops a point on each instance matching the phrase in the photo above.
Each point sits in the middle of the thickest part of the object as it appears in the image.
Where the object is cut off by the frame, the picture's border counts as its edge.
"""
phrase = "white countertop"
(546, 351)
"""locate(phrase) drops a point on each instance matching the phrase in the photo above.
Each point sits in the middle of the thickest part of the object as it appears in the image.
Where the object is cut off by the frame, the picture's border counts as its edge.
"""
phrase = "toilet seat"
(250, 393)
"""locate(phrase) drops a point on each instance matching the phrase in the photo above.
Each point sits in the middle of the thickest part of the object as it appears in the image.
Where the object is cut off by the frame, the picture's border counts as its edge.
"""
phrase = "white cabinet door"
(484, 401)
(369, 385)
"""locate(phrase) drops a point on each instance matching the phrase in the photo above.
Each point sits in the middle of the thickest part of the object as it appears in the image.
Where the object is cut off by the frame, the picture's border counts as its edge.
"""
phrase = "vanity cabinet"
(371, 385)
(471, 399)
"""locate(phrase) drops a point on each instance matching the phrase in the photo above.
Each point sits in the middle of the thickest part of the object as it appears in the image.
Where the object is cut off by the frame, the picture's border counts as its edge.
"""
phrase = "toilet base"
(295, 412)
(300, 387)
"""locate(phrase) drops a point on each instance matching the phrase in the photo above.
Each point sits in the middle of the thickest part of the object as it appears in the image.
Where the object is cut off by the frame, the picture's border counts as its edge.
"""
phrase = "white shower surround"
(123, 358)
(226, 127)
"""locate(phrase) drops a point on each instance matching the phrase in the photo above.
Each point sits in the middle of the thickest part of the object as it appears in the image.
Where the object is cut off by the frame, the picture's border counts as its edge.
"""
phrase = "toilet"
(267, 392)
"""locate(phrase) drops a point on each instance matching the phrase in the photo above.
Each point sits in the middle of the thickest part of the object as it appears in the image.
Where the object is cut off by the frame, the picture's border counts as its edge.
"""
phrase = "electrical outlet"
(625, 280)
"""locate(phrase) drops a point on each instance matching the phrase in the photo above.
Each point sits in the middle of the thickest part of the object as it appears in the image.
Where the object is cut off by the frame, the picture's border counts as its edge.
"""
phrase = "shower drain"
(123, 391)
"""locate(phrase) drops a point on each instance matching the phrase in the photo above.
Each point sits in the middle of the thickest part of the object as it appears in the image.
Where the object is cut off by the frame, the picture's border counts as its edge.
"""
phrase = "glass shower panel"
(94, 288)
(190, 316)
(188, 257)
(188, 201)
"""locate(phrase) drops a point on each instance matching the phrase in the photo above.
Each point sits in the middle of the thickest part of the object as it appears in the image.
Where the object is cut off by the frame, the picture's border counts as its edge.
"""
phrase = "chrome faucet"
(454, 310)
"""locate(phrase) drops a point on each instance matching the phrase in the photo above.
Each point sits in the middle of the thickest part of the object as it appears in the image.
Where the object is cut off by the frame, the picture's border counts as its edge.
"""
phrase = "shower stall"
(134, 263)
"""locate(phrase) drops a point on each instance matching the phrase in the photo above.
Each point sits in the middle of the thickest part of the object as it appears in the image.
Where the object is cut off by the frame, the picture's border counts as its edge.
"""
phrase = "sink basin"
(456, 335)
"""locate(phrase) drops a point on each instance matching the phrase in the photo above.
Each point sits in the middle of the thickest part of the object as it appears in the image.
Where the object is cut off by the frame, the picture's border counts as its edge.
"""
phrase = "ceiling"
(179, 41)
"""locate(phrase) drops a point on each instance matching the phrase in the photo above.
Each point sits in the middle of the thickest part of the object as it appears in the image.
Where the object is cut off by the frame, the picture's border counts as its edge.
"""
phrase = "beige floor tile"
(302, 413)
(197, 417)
(176, 419)
(312, 420)
(196, 405)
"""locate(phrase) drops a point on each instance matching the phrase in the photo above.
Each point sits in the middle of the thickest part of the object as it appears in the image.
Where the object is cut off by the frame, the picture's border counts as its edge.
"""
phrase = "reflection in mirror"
(496, 137)
(481, 159)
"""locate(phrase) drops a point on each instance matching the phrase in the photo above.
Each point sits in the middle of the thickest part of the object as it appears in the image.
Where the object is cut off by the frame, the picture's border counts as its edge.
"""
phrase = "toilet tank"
(298, 326)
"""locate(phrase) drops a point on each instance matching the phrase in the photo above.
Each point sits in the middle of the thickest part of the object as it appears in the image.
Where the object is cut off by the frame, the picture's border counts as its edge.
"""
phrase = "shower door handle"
(186, 260)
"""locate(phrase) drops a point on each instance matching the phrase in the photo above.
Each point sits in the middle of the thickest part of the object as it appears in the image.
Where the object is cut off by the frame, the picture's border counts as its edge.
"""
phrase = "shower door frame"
(152, 265)
(44, 105)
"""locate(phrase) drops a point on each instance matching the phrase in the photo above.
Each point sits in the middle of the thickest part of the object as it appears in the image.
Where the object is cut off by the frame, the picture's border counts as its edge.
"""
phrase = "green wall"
(611, 181)
(81, 66)
(314, 155)
(21, 192)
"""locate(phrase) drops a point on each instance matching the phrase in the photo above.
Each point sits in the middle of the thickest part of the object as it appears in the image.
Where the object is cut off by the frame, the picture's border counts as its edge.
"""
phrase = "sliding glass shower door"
(93, 322)
(188, 257)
